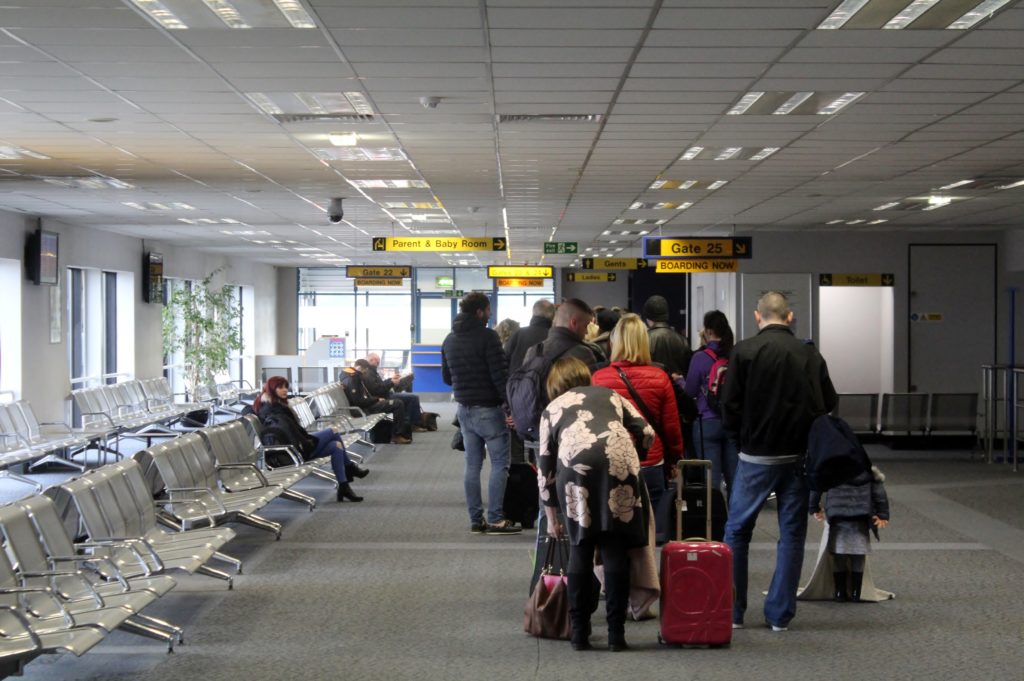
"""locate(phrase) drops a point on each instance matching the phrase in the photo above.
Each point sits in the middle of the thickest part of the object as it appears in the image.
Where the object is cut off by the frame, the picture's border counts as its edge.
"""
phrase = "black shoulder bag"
(642, 406)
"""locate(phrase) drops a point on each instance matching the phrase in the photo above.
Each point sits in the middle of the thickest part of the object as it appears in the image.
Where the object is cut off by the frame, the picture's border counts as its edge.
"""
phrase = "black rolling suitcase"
(695, 519)
(522, 498)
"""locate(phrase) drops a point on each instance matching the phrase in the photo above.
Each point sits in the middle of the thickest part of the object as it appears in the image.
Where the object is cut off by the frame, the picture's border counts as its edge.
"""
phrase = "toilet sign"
(856, 279)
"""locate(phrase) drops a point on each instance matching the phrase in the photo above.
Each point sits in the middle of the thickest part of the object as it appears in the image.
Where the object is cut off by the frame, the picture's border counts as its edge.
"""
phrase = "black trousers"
(397, 410)
(614, 555)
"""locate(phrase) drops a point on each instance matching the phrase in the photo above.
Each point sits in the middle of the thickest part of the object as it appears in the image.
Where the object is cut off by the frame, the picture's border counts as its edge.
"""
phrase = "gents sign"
(520, 283)
(694, 266)
(378, 281)
(591, 277)
(614, 263)
(697, 248)
(848, 279)
(529, 271)
(383, 271)
(437, 243)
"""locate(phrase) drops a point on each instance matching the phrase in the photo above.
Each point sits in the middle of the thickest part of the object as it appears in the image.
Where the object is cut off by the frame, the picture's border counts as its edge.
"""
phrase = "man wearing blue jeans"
(776, 387)
(473, 363)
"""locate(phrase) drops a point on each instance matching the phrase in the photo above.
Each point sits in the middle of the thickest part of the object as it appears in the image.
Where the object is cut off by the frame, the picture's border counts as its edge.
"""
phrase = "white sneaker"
(777, 628)
(737, 625)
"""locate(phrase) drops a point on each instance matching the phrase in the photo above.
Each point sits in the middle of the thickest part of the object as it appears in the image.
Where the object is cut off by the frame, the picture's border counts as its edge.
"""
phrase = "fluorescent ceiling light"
(764, 153)
(937, 202)
(391, 184)
(187, 221)
(877, 222)
(910, 13)
(691, 153)
(842, 14)
(295, 13)
(262, 101)
(343, 139)
(954, 185)
(183, 206)
(716, 184)
(133, 204)
(982, 11)
(12, 153)
(1018, 183)
(728, 153)
(840, 103)
(227, 13)
(421, 205)
(746, 101)
(833, 222)
(159, 12)
(792, 103)
(887, 206)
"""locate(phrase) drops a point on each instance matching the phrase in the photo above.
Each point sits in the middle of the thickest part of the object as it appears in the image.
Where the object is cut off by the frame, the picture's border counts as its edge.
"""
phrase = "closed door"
(952, 316)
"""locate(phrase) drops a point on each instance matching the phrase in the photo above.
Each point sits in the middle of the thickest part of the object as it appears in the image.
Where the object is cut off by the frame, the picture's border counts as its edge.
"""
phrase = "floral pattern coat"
(588, 463)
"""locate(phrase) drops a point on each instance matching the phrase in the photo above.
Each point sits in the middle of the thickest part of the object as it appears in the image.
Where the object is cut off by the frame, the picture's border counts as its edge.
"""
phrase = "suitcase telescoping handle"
(706, 465)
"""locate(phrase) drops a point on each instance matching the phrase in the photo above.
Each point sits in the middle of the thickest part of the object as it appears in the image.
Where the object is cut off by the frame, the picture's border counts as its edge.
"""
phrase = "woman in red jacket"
(631, 360)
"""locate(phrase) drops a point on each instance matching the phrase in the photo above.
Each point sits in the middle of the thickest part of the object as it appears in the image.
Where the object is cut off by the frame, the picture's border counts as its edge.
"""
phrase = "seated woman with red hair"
(272, 408)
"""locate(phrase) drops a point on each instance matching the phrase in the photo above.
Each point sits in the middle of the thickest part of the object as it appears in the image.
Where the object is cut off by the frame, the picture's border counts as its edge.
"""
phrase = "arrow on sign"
(380, 244)
(499, 245)
(741, 249)
(570, 247)
(611, 276)
(825, 280)
(888, 280)
(641, 263)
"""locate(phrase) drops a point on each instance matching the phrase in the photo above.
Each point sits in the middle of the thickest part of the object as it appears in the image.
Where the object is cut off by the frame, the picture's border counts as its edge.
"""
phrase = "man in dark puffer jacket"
(473, 363)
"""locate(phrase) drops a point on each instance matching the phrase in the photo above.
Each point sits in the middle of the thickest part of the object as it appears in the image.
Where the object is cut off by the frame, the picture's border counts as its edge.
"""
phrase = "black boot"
(616, 590)
(856, 580)
(839, 590)
(345, 493)
(353, 470)
(580, 608)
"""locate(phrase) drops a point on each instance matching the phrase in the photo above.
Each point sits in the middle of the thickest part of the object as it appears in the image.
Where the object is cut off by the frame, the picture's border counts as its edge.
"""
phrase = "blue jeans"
(327, 445)
(480, 426)
(654, 478)
(716, 446)
(753, 483)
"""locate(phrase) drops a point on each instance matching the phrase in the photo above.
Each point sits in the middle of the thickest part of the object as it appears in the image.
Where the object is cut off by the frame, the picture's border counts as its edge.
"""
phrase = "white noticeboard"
(796, 287)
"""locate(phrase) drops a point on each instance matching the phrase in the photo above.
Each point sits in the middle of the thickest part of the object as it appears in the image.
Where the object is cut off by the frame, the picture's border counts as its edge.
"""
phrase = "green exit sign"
(561, 247)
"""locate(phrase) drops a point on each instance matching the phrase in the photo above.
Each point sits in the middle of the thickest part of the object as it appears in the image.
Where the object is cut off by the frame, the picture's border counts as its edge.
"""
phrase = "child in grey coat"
(853, 509)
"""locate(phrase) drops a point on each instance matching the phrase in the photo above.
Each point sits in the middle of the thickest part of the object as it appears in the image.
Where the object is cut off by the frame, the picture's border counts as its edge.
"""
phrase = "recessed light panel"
(911, 14)
(360, 154)
(316, 103)
(803, 103)
(13, 153)
(391, 184)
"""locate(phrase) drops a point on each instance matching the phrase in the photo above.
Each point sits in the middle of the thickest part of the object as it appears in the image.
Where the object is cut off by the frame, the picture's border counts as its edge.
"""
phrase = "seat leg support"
(253, 520)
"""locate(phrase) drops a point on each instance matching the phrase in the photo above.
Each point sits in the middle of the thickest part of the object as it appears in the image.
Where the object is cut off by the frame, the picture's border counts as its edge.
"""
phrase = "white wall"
(44, 366)
(11, 275)
(856, 337)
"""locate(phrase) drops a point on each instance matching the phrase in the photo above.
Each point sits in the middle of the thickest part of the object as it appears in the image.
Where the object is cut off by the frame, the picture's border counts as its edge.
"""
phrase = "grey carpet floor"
(396, 588)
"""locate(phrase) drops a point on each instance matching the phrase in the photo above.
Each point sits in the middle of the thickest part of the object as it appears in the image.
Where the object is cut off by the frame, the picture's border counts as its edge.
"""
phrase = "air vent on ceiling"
(325, 118)
(549, 118)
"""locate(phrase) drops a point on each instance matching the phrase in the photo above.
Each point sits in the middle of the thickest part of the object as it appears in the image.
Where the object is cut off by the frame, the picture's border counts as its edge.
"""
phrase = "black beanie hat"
(656, 309)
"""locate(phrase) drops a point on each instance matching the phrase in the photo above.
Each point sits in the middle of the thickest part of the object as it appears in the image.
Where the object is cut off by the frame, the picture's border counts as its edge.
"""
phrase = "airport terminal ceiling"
(229, 125)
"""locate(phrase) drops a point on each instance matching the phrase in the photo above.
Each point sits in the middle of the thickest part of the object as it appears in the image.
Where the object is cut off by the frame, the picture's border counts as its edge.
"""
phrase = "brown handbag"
(546, 614)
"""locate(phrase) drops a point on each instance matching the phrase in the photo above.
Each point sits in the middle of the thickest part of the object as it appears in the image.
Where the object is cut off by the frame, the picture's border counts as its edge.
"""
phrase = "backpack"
(712, 390)
(527, 396)
(834, 454)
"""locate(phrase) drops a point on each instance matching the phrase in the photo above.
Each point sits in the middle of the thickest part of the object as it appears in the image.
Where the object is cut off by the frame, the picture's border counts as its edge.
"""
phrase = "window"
(101, 326)
(241, 364)
(10, 326)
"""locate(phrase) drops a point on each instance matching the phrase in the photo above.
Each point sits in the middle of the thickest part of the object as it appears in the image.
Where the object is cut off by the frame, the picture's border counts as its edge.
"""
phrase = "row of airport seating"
(86, 556)
(910, 414)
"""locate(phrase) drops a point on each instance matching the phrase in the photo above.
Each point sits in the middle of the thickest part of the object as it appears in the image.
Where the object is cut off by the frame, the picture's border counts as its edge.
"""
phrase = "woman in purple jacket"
(713, 442)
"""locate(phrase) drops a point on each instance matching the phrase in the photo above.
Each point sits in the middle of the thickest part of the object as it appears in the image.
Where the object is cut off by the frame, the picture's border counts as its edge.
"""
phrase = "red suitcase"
(696, 583)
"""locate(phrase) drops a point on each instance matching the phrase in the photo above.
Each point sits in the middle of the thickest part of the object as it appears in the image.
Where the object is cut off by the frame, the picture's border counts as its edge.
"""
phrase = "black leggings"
(614, 555)
(844, 561)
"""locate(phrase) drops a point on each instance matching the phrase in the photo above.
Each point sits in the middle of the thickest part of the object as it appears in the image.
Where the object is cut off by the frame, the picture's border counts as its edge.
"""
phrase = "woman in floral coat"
(588, 466)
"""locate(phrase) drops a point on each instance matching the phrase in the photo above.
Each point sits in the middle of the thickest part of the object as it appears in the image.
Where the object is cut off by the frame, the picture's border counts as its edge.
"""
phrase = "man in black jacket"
(473, 363)
(528, 336)
(359, 396)
(668, 347)
(386, 388)
(775, 387)
(568, 330)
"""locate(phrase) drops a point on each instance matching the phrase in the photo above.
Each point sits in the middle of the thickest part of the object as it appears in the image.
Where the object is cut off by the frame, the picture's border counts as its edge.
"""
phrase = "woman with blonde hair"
(588, 465)
(648, 388)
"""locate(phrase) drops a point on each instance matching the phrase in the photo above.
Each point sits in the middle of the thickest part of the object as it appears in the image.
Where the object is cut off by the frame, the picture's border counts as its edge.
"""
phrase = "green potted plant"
(202, 321)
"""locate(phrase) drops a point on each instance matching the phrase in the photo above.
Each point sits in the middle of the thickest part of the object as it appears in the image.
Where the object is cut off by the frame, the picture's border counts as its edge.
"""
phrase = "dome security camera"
(430, 102)
(335, 211)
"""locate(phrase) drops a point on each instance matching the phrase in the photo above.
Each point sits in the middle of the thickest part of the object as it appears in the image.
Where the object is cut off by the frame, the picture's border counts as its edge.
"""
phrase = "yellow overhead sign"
(520, 282)
(438, 243)
(591, 277)
(699, 248)
(373, 271)
(694, 266)
(530, 271)
(853, 279)
(378, 281)
(614, 263)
